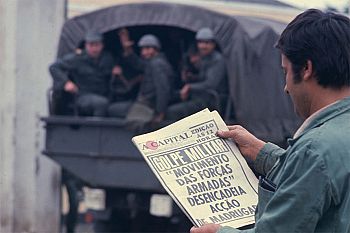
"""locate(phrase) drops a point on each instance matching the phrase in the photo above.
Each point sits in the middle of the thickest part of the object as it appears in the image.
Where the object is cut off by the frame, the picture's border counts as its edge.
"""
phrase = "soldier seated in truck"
(211, 79)
(86, 76)
(153, 97)
(190, 66)
(125, 82)
(189, 70)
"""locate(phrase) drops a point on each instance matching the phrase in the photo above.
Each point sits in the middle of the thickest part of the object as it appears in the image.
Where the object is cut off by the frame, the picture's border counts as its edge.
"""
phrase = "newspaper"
(206, 176)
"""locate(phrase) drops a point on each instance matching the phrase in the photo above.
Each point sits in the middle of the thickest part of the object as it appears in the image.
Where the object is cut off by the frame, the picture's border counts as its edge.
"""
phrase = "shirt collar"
(209, 56)
(308, 120)
(90, 59)
(322, 115)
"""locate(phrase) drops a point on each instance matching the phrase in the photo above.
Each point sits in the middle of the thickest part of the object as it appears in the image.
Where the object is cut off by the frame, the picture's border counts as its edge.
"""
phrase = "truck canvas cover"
(256, 80)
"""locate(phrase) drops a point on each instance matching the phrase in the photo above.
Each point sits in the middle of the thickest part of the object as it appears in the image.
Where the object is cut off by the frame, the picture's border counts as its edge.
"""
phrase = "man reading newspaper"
(205, 175)
(306, 188)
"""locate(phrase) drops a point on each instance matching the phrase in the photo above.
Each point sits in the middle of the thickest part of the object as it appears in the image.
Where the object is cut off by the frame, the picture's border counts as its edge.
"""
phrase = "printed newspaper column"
(205, 175)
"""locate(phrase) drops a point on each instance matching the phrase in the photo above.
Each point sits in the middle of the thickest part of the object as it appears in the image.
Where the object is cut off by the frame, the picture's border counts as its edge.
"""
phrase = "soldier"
(211, 79)
(124, 87)
(85, 75)
(156, 84)
(190, 66)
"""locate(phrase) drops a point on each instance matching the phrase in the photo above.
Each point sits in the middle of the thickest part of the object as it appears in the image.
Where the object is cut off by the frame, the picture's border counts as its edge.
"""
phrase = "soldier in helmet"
(157, 78)
(210, 81)
(86, 75)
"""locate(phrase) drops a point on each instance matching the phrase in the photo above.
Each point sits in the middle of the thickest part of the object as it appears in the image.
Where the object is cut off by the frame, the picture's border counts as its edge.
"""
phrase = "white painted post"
(29, 188)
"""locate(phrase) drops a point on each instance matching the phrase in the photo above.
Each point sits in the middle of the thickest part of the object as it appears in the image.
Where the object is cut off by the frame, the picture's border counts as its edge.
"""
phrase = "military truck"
(99, 151)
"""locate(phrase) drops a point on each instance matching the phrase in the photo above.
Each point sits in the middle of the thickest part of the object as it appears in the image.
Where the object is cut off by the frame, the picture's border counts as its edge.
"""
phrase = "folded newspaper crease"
(205, 175)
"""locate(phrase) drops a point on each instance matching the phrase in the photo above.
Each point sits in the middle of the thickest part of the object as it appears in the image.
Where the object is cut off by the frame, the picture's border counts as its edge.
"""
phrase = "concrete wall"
(29, 182)
(7, 113)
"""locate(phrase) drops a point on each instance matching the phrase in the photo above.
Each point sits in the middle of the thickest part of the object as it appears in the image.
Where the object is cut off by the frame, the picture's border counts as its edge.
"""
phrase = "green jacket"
(306, 188)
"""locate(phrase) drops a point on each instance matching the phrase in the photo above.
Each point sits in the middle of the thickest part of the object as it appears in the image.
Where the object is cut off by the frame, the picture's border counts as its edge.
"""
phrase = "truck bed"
(98, 151)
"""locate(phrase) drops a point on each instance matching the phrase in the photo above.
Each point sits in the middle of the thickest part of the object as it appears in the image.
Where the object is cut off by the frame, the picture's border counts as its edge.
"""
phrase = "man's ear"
(308, 70)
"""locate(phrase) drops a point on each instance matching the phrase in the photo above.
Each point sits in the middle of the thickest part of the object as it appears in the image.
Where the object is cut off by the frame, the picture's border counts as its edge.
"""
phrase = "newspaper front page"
(205, 175)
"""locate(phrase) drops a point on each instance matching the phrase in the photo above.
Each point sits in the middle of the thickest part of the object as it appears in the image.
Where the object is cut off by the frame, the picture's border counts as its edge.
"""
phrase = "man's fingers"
(224, 134)
(232, 127)
(231, 133)
(207, 228)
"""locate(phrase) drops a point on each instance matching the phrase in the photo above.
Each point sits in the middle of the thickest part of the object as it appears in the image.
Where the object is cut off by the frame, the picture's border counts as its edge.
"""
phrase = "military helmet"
(205, 34)
(149, 40)
(93, 36)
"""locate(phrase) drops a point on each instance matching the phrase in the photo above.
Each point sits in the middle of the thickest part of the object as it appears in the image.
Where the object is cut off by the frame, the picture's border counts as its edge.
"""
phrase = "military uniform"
(211, 80)
(89, 75)
(155, 88)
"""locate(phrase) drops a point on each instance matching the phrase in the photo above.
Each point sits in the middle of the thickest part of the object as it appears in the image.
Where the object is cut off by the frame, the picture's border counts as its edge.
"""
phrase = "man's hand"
(184, 92)
(117, 71)
(70, 87)
(125, 41)
(208, 228)
(247, 143)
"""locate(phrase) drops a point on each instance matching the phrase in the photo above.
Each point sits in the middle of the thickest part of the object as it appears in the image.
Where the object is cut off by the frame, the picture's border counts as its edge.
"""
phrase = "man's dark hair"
(323, 38)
